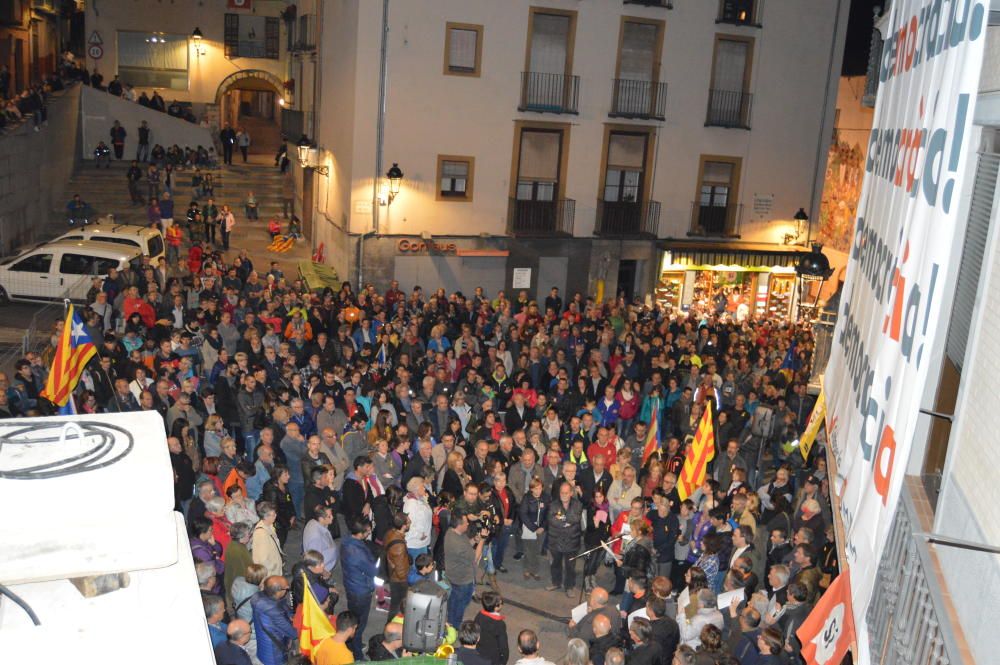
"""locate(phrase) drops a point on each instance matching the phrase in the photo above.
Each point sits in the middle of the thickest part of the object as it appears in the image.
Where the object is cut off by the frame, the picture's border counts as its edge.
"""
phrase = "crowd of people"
(440, 442)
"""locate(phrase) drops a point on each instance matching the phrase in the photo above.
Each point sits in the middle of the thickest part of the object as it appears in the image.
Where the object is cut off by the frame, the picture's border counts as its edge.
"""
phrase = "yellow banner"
(816, 419)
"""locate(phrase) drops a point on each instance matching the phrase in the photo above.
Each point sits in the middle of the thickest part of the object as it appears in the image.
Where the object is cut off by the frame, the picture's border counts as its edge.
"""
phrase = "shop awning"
(750, 255)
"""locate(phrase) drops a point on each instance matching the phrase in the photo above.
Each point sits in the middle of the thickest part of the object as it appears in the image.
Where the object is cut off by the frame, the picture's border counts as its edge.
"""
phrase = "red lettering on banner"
(886, 446)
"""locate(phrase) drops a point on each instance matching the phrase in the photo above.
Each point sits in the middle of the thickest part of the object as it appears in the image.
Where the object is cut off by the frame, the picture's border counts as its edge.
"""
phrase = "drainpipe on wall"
(379, 136)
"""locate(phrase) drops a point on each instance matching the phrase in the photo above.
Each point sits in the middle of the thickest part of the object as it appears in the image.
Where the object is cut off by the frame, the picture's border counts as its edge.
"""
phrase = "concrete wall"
(99, 110)
(34, 170)
(180, 17)
(429, 113)
(338, 76)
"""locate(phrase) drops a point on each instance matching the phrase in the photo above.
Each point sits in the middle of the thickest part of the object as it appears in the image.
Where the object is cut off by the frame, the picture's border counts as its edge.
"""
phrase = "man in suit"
(519, 414)
(593, 477)
(233, 650)
(357, 491)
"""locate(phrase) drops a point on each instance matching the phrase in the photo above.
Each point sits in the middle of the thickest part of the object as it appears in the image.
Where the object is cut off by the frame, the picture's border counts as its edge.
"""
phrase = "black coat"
(493, 644)
(667, 634)
(354, 499)
(468, 656)
(647, 654)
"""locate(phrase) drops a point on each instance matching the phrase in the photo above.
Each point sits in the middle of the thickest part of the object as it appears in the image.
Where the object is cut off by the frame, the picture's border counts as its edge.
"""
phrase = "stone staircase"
(106, 190)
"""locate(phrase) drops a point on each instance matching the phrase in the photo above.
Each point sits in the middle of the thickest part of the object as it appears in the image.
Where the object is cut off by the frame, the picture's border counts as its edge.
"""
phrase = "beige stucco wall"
(181, 17)
(429, 113)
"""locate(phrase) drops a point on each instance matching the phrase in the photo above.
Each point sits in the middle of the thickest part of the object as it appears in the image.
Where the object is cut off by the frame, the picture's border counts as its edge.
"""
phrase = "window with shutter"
(976, 232)
(231, 35)
(455, 178)
(272, 33)
(463, 49)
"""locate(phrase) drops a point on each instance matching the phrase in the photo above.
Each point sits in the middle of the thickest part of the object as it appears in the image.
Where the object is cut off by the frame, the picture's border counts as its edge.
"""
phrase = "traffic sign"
(95, 51)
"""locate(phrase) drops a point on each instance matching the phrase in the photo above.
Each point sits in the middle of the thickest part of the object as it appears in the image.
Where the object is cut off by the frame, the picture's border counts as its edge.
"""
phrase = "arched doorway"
(252, 99)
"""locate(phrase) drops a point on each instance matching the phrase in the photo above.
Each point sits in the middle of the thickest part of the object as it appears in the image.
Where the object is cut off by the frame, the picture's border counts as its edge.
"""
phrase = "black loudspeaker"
(423, 621)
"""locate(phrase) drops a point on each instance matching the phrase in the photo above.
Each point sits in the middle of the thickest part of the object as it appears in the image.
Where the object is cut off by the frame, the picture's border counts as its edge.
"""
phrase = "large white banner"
(893, 297)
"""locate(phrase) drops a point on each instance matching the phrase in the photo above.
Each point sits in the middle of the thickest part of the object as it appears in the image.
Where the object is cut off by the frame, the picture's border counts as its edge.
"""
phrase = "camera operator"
(461, 556)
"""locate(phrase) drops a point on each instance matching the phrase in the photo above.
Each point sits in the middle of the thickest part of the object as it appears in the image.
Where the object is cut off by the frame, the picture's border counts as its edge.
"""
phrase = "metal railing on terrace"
(908, 621)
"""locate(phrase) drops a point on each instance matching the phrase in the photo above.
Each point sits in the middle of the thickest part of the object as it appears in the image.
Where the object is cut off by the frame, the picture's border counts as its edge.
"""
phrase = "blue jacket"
(607, 415)
(359, 567)
(272, 620)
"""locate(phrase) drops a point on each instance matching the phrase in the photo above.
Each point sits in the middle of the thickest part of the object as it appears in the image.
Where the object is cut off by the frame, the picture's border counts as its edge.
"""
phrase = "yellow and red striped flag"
(653, 436)
(698, 456)
(316, 625)
(74, 351)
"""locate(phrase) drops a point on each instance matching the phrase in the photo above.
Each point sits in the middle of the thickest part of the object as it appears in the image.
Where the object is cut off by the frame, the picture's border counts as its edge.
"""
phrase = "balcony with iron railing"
(645, 100)
(541, 218)
(911, 618)
(549, 93)
(729, 108)
(665, 4)
(628, 218)
(740, 12)
(715, 221)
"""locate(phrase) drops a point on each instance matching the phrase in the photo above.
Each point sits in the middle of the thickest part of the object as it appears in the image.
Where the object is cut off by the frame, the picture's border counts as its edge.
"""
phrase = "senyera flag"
(653, 436)
(828, 631)
(315, 626)
(73, 352)
(698, 456)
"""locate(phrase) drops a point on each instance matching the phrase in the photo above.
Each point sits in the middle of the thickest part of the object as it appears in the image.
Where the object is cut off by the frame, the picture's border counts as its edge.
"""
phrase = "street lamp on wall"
(197, 37)
(309, 156)
(389, 189)
(801, 220)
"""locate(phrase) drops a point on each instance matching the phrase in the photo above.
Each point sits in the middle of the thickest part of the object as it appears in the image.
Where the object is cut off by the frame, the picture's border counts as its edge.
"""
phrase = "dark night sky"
(859, 34)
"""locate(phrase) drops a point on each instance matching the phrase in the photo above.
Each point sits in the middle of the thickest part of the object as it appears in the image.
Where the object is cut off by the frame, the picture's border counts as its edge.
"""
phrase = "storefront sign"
(892, 307)
(406, 246)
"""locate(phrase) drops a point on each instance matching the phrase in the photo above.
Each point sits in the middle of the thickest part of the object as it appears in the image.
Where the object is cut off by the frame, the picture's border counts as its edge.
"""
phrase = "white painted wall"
(429, 113)
(181, 17)
(99, 110)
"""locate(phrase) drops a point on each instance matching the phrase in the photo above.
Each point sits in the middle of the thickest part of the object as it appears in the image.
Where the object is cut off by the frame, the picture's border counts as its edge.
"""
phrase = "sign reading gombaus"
(417, 246)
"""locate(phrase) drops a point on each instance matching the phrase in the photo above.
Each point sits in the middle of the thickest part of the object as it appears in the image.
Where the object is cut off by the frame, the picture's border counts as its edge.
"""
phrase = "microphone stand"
(593, 549)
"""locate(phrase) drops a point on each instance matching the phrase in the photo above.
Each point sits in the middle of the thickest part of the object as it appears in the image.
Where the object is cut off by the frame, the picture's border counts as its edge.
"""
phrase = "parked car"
(147, 240)
(62, 269)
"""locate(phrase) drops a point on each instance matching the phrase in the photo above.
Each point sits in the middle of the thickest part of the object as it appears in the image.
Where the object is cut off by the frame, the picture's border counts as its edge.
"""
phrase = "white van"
(147, 240)
(62, 269)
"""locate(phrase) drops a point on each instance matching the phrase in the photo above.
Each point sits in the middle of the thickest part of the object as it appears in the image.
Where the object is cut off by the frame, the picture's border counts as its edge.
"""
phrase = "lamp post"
(812, 269)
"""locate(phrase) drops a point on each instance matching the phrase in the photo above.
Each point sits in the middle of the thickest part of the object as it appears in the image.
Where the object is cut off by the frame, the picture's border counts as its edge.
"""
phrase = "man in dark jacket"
(666, 632)
(118, 135)
(564, 520)
(359, 580)
(233, 650)
(272, 620)
(388, 645)
(228, 138)
(468, 639)
(603, 640)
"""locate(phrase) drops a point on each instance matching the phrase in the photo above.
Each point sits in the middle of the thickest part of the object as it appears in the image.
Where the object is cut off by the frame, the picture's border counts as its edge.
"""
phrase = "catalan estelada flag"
(316, 625)
(698, 456)
(74, 351)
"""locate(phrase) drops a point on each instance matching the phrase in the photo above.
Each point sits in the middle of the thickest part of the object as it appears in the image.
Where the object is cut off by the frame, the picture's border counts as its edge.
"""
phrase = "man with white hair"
(416, 507)
(234, 650)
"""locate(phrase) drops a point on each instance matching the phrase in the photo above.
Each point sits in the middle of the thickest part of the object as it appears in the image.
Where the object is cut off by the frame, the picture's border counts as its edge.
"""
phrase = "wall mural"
(841, 191)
